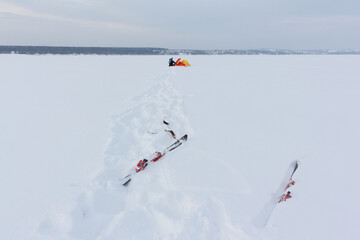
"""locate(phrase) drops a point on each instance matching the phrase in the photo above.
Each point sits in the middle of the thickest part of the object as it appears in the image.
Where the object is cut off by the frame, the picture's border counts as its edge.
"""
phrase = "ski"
(156, 156)
(287, 181)
(295, 165)
(176, 144)
(279, 196)
(126, 180)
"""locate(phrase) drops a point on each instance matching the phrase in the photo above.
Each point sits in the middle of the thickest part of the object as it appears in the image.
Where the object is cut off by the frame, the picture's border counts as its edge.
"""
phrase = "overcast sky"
(185, 24)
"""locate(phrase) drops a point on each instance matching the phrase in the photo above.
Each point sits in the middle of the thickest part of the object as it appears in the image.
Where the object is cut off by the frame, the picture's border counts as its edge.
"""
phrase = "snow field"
(248, 118)
(151, 202)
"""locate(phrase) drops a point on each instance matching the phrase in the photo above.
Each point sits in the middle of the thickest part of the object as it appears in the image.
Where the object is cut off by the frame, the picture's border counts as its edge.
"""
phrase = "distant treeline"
(41, 50)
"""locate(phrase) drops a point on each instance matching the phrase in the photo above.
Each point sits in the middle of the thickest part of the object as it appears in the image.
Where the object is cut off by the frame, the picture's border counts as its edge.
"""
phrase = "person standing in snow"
(171, 62)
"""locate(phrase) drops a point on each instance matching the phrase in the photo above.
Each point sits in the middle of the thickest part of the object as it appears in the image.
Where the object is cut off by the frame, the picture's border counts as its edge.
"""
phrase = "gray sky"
(189, 24)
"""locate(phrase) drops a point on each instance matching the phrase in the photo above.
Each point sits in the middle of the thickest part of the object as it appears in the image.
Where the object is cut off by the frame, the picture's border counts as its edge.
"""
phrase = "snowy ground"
(71, 126)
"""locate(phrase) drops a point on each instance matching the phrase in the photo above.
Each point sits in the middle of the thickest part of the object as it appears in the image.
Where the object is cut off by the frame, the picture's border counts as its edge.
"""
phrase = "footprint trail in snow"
(149, 208)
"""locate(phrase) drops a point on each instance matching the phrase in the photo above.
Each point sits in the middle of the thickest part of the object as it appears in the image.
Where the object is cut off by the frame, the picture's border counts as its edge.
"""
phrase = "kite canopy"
(182, 63)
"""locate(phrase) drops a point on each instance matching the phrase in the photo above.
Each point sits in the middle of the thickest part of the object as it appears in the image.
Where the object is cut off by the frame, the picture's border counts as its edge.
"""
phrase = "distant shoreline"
(43, 50)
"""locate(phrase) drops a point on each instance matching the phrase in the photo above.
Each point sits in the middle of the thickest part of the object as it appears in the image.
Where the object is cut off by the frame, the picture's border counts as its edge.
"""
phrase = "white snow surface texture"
(72, 126)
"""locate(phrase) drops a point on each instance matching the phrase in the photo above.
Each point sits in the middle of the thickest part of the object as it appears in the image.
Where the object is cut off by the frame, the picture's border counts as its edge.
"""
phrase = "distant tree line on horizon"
(41, 50)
